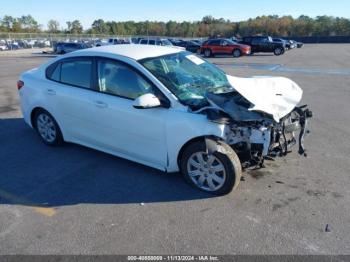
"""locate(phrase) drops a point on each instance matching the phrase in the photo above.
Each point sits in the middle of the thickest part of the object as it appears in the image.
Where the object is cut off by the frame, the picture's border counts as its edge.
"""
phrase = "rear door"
(71, 91)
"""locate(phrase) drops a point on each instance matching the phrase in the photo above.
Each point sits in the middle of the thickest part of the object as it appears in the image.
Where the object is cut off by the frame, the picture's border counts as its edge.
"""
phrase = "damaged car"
(165, 108)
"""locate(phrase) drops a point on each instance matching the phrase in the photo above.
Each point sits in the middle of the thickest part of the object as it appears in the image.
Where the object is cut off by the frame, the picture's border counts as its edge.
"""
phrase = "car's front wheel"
(218, 173)
(47, 128)
(236, 53)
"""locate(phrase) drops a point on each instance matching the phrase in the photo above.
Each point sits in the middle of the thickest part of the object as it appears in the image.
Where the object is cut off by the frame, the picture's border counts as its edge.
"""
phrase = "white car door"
(138, 134)
(70, 93)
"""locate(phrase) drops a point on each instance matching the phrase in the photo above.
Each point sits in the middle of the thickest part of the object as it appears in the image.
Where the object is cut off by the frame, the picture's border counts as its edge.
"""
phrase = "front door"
(121, 128)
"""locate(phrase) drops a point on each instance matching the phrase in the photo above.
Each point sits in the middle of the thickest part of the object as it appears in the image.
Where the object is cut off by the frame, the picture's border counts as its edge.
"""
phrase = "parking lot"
(75, 200)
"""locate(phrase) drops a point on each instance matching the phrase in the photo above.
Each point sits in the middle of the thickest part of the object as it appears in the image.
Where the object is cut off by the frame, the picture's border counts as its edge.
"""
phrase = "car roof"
(132, 51)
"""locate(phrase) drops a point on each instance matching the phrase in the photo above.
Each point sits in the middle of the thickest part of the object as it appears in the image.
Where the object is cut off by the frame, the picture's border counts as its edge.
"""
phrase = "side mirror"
(146, 101)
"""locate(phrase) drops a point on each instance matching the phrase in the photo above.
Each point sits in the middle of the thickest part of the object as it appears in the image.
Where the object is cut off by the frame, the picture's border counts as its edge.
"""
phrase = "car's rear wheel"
(278, 51)
(207, 53)
(236, 53)
(218, 173)
(47, 128)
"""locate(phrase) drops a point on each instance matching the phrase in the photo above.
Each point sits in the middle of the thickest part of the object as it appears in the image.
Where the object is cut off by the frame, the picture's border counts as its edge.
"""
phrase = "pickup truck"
(264, 44)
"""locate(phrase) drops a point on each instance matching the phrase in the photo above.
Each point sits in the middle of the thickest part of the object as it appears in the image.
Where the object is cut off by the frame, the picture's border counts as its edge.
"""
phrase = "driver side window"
(118, 79)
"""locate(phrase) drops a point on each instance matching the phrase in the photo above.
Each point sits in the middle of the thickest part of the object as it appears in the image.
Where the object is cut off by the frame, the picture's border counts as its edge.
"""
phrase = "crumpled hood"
(276, 96)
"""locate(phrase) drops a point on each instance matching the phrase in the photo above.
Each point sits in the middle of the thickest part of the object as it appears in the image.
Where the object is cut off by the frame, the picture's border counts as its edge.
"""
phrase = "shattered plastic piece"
(327, 229)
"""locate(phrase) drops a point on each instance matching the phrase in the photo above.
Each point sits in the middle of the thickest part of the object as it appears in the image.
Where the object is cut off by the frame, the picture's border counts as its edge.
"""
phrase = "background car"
(155, 41)
(13, 46)
(224, 47)
(63, 48)
(135, 40)
(298, 44)
(117, 41)
(3, 47)
(198, 41)
(264, 44)
(188, 45)
(292, 44)
(283, 41)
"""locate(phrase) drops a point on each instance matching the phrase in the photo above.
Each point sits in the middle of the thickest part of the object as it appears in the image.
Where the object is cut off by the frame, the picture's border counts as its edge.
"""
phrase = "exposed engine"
(256, 136)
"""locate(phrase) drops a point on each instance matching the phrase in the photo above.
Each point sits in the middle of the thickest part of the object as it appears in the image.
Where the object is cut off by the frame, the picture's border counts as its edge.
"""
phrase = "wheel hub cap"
(206, 171)
(46, 128)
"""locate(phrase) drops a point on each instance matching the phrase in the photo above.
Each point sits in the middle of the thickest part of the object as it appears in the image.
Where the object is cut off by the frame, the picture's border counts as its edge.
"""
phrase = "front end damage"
(259, 140)
(256, 135)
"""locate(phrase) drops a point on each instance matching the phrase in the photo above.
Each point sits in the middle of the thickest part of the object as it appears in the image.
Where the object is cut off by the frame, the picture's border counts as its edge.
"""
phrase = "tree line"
(208, 26)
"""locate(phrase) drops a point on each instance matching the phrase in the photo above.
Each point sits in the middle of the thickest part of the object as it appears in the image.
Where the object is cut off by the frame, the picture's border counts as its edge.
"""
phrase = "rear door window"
(72, 71)
(56, 74)
(77, 73)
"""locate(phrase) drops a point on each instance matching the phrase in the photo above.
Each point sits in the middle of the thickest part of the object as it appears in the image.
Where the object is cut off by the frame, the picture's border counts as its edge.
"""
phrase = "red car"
(224, 47)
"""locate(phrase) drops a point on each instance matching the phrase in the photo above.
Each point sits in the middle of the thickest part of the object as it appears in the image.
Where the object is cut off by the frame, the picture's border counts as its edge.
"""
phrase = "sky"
(162, 10)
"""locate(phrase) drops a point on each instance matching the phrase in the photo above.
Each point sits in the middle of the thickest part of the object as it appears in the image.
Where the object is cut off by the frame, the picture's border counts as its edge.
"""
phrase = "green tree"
(53, 26)
(99, 27)
(74, 27)
(7, 22)
(28, 23)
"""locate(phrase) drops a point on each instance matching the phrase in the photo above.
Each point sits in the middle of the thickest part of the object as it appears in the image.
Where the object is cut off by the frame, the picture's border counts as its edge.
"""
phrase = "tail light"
(20, 84)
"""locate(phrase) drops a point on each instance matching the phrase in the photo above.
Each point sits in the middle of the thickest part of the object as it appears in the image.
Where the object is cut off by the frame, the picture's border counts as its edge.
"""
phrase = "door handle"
(51, 92)
(100, 104)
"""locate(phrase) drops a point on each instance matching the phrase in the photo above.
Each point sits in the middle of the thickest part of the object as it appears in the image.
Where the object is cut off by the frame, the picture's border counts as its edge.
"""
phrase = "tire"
(208, 53)
(225, 160)
(236, 53)
(278, 51)
(47, 128)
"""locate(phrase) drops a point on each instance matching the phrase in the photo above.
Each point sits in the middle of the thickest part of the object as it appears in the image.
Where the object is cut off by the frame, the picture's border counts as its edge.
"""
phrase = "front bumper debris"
(284, 137)
(256, 141)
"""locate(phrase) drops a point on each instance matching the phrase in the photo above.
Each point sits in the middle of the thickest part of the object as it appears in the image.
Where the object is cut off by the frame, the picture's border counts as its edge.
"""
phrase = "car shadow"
(34, 174)
(262, 54)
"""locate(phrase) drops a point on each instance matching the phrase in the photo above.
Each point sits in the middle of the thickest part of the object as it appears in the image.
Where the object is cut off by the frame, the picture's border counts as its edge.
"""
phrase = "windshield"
(188, 77)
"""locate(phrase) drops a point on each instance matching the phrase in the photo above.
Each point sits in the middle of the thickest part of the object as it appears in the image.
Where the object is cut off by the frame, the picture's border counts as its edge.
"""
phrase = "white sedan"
(165, 108)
